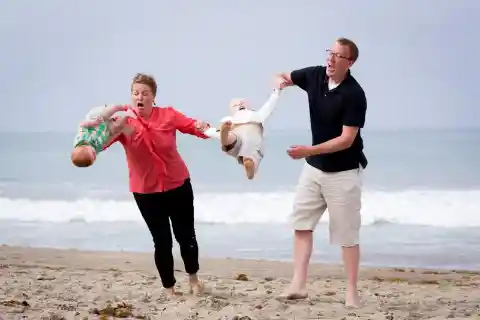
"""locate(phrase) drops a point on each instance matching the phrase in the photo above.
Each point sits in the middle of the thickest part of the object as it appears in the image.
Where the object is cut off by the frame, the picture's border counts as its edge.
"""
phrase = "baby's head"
(83, 156)
(238, 104)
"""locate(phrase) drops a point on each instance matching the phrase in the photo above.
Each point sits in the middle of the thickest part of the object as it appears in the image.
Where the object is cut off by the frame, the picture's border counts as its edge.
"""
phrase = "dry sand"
(71, 284)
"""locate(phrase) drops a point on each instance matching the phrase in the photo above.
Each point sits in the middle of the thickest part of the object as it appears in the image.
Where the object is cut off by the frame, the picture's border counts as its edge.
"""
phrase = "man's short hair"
(352, 47)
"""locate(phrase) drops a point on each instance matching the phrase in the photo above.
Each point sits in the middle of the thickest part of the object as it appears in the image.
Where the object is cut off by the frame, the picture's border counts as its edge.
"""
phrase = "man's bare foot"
(352, 300)
(249, 167)
(196, 286)
(224, 131)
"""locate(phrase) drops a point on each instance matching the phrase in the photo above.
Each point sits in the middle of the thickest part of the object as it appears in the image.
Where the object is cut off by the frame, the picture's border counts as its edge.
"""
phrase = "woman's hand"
(201, 125)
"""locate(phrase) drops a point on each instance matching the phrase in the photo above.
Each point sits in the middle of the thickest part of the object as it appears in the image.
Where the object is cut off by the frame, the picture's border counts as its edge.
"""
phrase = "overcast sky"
(418, 59)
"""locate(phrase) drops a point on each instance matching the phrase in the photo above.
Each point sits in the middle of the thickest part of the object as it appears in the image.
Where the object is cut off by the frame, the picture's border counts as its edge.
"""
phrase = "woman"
(160, 180)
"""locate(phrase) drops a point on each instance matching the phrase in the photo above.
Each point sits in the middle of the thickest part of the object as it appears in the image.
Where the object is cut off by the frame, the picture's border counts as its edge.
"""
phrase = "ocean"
(421, 201)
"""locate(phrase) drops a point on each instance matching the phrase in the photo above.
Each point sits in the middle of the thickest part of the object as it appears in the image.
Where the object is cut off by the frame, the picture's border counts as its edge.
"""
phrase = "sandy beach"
(71, 284)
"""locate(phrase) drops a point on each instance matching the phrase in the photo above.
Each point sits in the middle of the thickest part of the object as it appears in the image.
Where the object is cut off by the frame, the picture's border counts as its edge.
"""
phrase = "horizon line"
(373, 130)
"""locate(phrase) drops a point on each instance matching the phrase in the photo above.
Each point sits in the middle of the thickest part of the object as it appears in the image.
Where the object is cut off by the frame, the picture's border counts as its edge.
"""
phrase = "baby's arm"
(268, 107)
(212, 133)
(224, 134)
(226, 137)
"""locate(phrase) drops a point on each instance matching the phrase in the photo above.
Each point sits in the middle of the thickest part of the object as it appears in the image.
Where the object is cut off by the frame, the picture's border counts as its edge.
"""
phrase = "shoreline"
(412, 247)
(73, 284)
(209, 261)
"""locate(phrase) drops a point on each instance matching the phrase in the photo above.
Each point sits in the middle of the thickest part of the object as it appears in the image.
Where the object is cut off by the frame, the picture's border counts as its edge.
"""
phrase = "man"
(331, 177)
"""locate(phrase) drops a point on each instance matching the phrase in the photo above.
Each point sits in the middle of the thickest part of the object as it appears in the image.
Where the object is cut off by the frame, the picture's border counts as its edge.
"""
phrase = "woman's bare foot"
(196, 286)
(294, 292)
(224, 133)
(249, 166)
(171, 292)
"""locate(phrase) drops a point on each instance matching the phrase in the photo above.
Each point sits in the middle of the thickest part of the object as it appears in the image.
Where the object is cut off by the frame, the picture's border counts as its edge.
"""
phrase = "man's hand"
(201, 125)
(282, 81)
(279, 82)
(300, 152)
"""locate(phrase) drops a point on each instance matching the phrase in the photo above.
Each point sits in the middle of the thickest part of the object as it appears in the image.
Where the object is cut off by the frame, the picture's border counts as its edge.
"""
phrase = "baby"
(94, 133)
(241, 134)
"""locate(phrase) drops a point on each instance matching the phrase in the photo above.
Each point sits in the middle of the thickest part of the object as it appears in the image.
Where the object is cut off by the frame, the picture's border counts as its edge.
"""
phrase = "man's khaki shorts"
(340, 192)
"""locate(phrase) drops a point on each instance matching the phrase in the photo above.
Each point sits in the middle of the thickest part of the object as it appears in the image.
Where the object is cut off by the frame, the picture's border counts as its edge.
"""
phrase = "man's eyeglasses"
(336, 55)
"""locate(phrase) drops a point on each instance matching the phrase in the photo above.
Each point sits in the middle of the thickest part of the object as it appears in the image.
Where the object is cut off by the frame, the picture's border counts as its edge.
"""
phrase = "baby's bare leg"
(91, 123)
(249, 167)
(227, 137)
(108, 112)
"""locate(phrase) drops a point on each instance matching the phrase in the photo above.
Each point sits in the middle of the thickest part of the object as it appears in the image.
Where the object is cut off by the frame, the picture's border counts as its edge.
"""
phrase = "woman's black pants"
(158, 209)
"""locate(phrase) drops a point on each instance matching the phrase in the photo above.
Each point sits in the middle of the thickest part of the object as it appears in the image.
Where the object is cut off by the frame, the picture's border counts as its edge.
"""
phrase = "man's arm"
(264, 112)
(353, 120)
(342, 142)
(299, 78)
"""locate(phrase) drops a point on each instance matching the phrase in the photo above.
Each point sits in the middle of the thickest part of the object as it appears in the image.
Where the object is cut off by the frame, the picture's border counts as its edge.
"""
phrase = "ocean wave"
(433, 208)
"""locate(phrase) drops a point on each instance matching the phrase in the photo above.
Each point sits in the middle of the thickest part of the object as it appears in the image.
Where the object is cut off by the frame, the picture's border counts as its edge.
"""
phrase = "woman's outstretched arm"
(189, 125)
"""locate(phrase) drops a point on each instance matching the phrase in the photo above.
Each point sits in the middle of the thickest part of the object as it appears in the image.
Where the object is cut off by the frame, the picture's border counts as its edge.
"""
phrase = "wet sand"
(72, 284)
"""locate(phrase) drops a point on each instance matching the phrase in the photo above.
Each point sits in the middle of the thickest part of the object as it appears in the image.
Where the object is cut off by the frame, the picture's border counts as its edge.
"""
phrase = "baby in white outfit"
(241, 134)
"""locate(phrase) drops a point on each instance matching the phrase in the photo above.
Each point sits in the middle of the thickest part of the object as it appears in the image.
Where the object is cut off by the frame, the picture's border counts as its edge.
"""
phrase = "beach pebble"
(220, 286)
(251, 288)
(241, 277)
(213, 303)
(52, 316)
(241, 318)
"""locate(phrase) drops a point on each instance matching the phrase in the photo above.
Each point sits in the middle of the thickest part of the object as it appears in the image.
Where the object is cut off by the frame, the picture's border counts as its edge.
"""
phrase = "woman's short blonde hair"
(148, 80)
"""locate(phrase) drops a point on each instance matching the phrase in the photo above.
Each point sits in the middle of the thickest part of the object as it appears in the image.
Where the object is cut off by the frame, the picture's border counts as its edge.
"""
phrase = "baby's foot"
(249, 166)
(224, 130)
